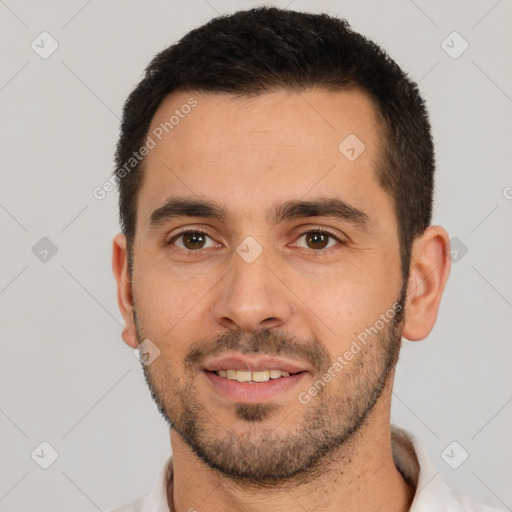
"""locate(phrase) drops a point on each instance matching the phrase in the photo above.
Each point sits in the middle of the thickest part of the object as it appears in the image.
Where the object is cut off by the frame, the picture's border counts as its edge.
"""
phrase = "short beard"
(267, 456)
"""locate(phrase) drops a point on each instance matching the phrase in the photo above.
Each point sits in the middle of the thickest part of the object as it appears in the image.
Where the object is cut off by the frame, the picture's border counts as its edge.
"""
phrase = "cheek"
(163, 284)
(170, 304)
(341, 307)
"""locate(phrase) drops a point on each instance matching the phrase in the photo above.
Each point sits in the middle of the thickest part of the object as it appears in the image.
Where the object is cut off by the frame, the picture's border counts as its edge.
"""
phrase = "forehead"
(248, 152)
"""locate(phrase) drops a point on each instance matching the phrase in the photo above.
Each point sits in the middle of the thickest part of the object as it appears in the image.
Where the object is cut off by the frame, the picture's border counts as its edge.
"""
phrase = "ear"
(429, 270)
(124, 289)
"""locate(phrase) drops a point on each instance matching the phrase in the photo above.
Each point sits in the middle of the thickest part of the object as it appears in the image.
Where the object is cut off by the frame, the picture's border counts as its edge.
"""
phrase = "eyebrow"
(295, 209)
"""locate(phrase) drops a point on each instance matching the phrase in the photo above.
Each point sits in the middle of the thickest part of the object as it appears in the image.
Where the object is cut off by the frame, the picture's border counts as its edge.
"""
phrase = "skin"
(250, 154)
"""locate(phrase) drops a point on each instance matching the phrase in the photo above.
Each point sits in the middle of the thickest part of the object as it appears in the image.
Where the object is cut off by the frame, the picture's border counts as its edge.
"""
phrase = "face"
(267, 273)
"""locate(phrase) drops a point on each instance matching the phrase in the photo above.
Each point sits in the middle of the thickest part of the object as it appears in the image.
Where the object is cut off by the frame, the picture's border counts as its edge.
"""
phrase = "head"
(298, 157)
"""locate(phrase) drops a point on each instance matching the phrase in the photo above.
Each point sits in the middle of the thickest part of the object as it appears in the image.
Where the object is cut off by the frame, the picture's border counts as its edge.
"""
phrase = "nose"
(252, 297)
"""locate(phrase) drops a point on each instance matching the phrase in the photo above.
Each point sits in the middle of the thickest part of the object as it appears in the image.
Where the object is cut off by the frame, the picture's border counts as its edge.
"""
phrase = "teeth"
(243, 376)
(261, 376)
(247, 376)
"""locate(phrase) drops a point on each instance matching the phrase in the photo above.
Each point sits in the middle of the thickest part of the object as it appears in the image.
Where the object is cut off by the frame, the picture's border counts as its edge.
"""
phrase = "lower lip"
(252, 392)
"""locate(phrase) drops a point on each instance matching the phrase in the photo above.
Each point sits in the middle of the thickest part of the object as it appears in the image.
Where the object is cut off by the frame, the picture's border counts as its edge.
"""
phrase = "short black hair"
(255, 51)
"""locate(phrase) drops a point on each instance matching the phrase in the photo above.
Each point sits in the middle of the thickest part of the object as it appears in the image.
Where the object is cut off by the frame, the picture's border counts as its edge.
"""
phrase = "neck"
(362, 476)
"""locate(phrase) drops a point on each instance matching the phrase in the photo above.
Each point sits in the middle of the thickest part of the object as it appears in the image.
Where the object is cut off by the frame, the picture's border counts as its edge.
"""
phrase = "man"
(275, 171)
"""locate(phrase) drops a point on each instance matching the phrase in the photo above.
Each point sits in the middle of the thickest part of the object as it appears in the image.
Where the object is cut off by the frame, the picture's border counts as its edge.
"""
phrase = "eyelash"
(322, 231)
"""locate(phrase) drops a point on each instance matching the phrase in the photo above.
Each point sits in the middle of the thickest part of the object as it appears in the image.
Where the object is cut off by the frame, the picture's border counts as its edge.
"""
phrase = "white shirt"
(411, 459)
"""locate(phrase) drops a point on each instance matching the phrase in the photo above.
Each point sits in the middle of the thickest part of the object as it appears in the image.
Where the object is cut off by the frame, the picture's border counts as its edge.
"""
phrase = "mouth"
(254, 377)
(251, 380)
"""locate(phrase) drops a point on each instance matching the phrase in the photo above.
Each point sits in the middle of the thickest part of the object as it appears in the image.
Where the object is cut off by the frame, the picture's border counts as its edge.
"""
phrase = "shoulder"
(466, 503)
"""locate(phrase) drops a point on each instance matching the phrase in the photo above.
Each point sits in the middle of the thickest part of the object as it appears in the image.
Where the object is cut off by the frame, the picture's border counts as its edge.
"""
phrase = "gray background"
(67, 378)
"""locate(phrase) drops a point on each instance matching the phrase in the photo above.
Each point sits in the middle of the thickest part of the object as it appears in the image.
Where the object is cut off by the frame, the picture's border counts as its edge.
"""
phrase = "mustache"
(266, 341)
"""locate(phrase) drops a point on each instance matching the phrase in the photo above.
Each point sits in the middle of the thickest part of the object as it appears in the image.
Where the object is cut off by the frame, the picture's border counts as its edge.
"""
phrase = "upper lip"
(254, 364)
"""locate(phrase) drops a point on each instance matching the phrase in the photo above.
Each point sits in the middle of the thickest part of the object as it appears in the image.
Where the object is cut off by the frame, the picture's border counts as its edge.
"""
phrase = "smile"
(248, 376)
(253, 379)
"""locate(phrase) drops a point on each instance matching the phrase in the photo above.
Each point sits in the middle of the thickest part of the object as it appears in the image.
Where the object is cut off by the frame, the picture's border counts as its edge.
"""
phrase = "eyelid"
(323, 229)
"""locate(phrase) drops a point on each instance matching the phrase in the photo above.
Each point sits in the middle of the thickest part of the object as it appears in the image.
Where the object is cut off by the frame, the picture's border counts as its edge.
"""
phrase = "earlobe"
(429, 270)
(124, 289)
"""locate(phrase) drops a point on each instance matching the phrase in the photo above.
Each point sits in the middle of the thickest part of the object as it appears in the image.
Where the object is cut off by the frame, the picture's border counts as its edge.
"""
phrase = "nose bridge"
(252, 297)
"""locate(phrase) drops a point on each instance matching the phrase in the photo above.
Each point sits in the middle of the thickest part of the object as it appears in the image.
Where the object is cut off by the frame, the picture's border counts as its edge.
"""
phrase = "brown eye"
(317, 240)
(192, 240)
